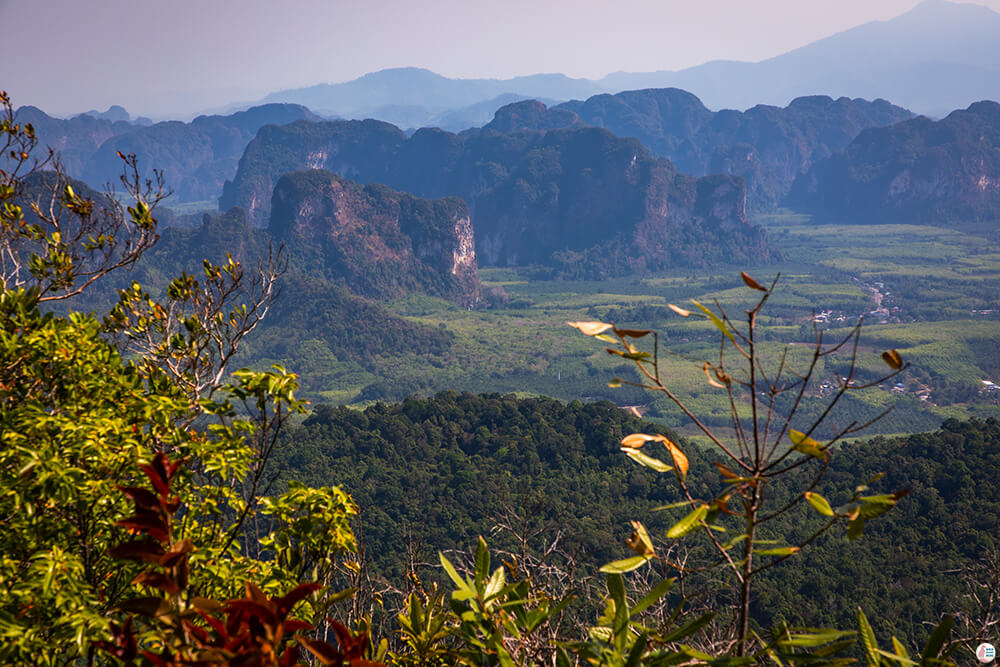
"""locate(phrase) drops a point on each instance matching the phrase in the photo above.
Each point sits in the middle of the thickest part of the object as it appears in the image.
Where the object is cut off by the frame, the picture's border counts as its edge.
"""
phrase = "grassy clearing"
(929, 280)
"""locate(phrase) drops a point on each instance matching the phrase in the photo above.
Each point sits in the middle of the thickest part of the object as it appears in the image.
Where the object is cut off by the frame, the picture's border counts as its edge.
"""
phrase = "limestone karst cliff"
(377, 242)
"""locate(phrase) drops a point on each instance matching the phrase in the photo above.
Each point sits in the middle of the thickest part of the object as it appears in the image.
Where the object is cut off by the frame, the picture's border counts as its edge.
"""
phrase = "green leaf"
(625, 565)
(855, 528)
(672, 506)
(873, 506)
(868, 639)
(806, 445)
(813, 639)
(689, 628)
(482, 561)
(778, 551)
(452, 572)
(896, 657)
(688, 523)
(653, 596)
(898, 647)
(819, 503)
(648, 461)
(635, 655)
(935, 642)
(720, 325)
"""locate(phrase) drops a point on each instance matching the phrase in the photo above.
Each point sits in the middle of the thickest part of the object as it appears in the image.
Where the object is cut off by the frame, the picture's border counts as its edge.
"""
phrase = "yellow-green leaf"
(639, 542)
(819, 503)
(648, 461)
(688, 523)
(720, 325)
(778, 551)
(590, 328)
(806, 445)
(625, 565)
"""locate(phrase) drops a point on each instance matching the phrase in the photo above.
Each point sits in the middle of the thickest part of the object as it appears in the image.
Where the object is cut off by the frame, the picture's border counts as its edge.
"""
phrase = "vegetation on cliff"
(918, 171)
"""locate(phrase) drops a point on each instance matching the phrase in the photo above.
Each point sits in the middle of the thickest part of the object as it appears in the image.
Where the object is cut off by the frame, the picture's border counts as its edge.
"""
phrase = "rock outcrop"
(918, 171)
(582, 200)
(377, 242)
(768, 146)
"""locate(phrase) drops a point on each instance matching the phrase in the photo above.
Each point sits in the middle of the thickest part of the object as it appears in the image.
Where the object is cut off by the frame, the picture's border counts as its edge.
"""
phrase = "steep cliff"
(916, 171)
(767, 146)
(377, 242)
(580, 199)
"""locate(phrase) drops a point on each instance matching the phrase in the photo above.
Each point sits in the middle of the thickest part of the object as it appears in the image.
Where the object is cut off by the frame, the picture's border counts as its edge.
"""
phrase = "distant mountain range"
(937, 57)
(581, 201)
(195, 158)
(917, 171)
(767, 146)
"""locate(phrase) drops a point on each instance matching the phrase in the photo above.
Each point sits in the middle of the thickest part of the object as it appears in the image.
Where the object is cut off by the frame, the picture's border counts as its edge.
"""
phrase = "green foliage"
(81, 422)
(443, 469)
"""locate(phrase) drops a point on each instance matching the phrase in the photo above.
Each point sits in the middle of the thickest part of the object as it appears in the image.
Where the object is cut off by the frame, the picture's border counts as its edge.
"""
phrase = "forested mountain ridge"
(917, 171)
(768, 146)
(75, 139)
(582, 200)
(447, 468)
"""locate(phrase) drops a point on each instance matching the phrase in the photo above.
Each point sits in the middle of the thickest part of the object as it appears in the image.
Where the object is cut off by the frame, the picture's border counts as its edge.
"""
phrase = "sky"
(175, 57)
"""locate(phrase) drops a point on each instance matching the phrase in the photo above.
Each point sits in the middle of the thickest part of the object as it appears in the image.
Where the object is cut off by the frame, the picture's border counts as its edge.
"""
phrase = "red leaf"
(326, 653)
(253, 592)
(144, 498)
(147, 551)
(158, 580)
(294, 625)
(147, 522)
(157, 476)
(146, 606)
(293, 596)
(290, 658)
(216, 624)
(178, 552)
(199, 633)
(251, 609)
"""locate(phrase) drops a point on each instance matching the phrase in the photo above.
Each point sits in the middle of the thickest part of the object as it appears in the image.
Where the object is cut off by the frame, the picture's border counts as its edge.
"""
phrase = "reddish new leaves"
(252, 631)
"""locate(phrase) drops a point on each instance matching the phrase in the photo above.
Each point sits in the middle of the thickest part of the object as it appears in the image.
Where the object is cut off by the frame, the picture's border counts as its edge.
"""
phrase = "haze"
(173, 59)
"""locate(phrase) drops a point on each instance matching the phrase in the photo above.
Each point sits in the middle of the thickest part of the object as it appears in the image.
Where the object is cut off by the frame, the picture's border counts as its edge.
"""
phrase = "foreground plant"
(770, 435)
(81, 417)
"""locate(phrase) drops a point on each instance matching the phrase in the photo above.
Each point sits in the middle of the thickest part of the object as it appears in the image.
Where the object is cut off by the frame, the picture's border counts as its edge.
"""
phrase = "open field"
(931, 293)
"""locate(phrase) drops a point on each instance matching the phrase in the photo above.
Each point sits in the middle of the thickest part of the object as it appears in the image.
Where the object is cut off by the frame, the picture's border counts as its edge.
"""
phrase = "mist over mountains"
(935, 58)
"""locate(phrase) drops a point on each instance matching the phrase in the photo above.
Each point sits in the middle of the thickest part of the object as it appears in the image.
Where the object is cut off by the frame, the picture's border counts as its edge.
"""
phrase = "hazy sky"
(166, 57)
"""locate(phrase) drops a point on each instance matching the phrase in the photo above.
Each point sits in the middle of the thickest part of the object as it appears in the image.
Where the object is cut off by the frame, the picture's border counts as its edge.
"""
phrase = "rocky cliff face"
(582, 199)
(768, 146)
(916, 171)
(375, 241)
